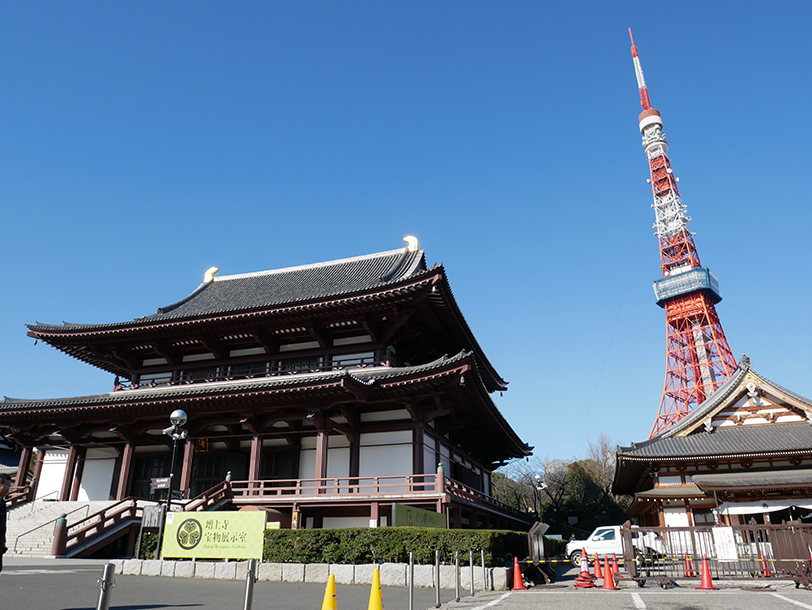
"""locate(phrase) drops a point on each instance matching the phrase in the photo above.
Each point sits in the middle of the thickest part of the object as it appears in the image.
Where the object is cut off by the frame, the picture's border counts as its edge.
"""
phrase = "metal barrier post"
(411, 580)
(250, 579)
(471, 563)
(105, 585)
(484, 571)
(456, 576)
(437, 603)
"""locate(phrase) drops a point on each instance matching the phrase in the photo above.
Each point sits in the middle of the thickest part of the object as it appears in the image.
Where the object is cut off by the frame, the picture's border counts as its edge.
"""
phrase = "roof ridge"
(339, 261)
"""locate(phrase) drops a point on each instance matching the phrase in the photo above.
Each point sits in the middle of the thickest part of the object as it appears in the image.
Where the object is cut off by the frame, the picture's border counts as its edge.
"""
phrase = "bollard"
(105, 585)
(484, 571)
(437, 603)
(250, 579)
(411, 580)
(456, 576)
(471, 562)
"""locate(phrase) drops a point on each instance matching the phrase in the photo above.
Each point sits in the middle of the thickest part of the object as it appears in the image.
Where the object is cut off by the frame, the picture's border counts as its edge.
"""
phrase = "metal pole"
(437, 603)
(250, 579)
(105, 585)
(484, 571)
(471, 562)
(456, 576)
(411, 580)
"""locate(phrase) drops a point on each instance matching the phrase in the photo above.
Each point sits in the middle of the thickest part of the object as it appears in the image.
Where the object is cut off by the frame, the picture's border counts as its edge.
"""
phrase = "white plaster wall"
(97, 476)
(342, 522)
(338, 462)
(675, 517)
(386, 454)
(52, 474)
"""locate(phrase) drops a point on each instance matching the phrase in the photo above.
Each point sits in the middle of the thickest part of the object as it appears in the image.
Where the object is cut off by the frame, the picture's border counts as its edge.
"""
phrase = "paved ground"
(43, 584)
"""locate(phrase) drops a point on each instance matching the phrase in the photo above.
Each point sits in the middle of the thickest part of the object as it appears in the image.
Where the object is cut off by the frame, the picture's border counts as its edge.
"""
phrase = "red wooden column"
(126, 470)
(77, 475)
(70, 467)
(22, 468)
(321, 454)
(37, 472)
(185, 482)
(255, 462)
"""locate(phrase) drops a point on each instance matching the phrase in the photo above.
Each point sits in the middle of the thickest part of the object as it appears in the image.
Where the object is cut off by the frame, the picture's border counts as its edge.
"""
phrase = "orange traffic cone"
(765, 568)
(689, 569)
(615, 569)
(375, 595)
(329, 602)
(585, 565)
(518, 583)
(584, 580)
(598, 567)
(707, 583)
(608, 579)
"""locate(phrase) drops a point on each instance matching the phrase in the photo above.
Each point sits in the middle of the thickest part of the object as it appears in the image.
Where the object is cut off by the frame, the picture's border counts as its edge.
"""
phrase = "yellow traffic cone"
(329, 602)
(375, 595)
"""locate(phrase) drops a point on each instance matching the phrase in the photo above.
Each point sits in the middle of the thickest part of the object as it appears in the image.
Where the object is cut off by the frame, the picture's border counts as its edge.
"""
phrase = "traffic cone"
(598, 567)
(707, 583)
(518, 583)
(689, 569)
(765, 568)
(329, 602)
(615, 569)
(375, 595)
(585, 575)
(608, 579)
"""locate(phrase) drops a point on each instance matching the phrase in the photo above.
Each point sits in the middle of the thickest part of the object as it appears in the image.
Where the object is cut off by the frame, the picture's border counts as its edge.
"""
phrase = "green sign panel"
(408, 516)
(235, 535)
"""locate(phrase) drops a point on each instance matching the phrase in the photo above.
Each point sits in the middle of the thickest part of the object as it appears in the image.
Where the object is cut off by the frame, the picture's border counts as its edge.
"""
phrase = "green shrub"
(391, 544)
(148, 544)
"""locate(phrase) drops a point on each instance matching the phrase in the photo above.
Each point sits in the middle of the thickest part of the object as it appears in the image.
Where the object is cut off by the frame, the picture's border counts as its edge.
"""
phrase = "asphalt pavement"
(71, 584)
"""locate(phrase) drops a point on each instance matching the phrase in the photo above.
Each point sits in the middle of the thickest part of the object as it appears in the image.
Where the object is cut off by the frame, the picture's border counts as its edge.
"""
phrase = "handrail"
(128, 506)
(18, 495)
(51, 493)
(86, 506)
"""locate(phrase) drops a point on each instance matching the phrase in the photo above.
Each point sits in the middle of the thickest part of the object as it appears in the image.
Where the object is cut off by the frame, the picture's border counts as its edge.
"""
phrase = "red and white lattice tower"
(699, 359)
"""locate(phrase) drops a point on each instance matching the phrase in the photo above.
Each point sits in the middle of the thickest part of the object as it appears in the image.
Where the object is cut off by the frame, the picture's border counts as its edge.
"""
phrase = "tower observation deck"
(699, 359)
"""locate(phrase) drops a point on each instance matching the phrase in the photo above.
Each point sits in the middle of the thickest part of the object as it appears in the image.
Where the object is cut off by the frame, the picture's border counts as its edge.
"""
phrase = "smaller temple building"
(325, 394)
(744, 455)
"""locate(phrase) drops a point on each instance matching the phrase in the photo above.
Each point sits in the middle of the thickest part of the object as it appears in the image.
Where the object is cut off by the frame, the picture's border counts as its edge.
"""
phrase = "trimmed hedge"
(360, 545)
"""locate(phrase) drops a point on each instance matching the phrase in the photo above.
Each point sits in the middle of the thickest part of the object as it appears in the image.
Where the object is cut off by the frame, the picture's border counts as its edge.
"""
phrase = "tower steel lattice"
(699, 359)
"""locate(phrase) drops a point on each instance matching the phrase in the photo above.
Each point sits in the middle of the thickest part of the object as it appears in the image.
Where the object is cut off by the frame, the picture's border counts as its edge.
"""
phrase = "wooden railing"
(19, 495)
(356, 486)
(210, 498)
(97, 525)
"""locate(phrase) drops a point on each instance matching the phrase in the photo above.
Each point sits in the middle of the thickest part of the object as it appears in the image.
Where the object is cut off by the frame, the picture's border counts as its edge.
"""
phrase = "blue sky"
(143, 143)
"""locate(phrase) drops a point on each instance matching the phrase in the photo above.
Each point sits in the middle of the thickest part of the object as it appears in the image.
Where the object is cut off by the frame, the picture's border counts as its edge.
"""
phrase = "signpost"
(215, 535)
(409, 516)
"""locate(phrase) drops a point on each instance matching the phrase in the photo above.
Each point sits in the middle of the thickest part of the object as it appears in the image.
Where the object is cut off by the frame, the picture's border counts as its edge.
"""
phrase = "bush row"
(391, 544)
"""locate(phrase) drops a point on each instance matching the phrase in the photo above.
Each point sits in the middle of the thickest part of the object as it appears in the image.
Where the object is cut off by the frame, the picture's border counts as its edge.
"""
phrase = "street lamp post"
(178, 418)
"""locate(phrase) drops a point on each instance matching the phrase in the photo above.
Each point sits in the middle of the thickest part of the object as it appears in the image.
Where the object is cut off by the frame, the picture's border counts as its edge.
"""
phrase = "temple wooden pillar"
(417, 451)
(37, 472)
(321, 455)
(374, 514)
(77, 475)
(67, 479)
(125, 474)
(254, 463)
(22, 467)
(185, 482)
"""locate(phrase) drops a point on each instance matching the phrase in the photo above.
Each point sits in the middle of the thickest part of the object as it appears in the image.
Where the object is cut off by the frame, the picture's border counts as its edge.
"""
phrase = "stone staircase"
(41, 518)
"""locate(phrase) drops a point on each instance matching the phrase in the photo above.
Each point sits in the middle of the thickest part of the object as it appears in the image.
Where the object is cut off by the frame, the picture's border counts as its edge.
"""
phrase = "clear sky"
(143, 143)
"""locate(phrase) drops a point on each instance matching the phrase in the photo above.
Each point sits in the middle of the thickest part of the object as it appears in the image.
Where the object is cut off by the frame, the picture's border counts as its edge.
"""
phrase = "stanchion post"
(250, 579)
(437, 603)
(484, 571)
(471, 563)
(105, 585)
(456, 576)
(411, 580)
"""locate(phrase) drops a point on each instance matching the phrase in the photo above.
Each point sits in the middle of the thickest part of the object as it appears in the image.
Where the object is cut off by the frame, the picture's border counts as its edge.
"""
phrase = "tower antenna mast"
(699, 359)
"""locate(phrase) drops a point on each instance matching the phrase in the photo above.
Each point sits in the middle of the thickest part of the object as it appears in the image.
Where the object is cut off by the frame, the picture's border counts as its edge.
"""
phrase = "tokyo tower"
(699, 359)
